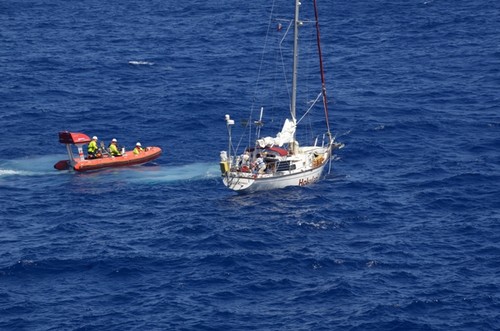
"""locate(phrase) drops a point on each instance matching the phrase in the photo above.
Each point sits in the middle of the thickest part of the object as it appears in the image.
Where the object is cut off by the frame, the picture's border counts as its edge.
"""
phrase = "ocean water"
(404, 234)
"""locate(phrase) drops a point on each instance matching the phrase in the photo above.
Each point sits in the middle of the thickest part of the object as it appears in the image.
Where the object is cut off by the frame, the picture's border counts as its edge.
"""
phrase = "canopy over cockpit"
(66, 137)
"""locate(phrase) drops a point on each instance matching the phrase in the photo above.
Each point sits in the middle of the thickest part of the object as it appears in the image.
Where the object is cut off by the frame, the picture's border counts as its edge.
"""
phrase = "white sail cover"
(283, 137)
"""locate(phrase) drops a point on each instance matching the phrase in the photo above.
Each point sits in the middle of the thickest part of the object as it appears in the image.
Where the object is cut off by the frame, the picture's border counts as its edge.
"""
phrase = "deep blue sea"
(404, 234)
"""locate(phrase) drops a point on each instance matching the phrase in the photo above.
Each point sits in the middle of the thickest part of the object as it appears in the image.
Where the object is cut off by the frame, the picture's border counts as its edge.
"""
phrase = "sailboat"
(280, 161)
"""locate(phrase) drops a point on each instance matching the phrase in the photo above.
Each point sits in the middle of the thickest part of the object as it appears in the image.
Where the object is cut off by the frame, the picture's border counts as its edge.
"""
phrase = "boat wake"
(30, 166)
(162, 174)
(8, 172)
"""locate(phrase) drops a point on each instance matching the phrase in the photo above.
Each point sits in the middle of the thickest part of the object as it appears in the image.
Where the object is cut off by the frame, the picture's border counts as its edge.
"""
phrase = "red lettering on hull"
(307, 181)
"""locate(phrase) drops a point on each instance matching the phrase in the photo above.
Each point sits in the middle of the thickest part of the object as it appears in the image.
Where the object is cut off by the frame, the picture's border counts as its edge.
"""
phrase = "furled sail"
(283, 137)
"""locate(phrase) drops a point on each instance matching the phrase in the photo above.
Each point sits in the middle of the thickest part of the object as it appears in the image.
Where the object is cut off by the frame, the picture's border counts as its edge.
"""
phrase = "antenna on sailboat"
(229, 124)
(259, 124)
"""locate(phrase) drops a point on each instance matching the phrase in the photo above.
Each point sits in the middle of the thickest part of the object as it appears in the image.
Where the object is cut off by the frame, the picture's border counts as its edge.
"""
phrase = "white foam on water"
(141, 63)
(192, 171)
(31, 166)
(9, 172)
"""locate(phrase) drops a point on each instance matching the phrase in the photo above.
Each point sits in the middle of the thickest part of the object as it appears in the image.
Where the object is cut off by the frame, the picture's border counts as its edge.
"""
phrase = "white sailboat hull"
(247, 183)
(305, 173)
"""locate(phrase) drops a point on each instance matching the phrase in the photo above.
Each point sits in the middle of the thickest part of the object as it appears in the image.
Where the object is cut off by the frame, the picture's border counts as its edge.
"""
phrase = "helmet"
(138, 144)
(114, 140)
(94, 138)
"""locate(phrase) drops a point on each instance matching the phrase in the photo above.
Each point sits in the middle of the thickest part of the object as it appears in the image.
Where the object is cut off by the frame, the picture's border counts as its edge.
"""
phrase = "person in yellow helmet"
(92, 148)
(113, 149)
(138, 149)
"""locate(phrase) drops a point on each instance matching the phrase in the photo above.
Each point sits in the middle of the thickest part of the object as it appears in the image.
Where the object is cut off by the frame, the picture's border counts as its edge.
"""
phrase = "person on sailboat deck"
(138, 148)
(245, 162)
(260, 165)
(92, 148)
(244, 159)
(113, 149)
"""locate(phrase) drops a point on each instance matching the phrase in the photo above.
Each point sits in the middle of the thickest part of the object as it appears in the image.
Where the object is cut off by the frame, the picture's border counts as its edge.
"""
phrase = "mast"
(323, 84)
(295, 60)
(296, 24)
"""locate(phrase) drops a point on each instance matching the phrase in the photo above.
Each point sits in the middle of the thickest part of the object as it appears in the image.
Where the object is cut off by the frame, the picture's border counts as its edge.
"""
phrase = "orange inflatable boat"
(82, 163)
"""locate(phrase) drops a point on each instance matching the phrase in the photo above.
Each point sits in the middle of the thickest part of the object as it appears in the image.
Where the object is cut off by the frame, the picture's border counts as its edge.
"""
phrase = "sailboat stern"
(238, 183)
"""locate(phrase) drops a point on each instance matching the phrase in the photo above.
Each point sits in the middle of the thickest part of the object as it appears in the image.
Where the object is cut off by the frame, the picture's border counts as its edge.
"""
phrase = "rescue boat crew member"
(138, 148)
(113, 149)
(92, 148)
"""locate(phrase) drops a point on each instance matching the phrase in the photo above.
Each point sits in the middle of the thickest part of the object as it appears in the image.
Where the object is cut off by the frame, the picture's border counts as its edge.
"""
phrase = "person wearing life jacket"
(92, 148)
(138, 149)
(113, 149)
